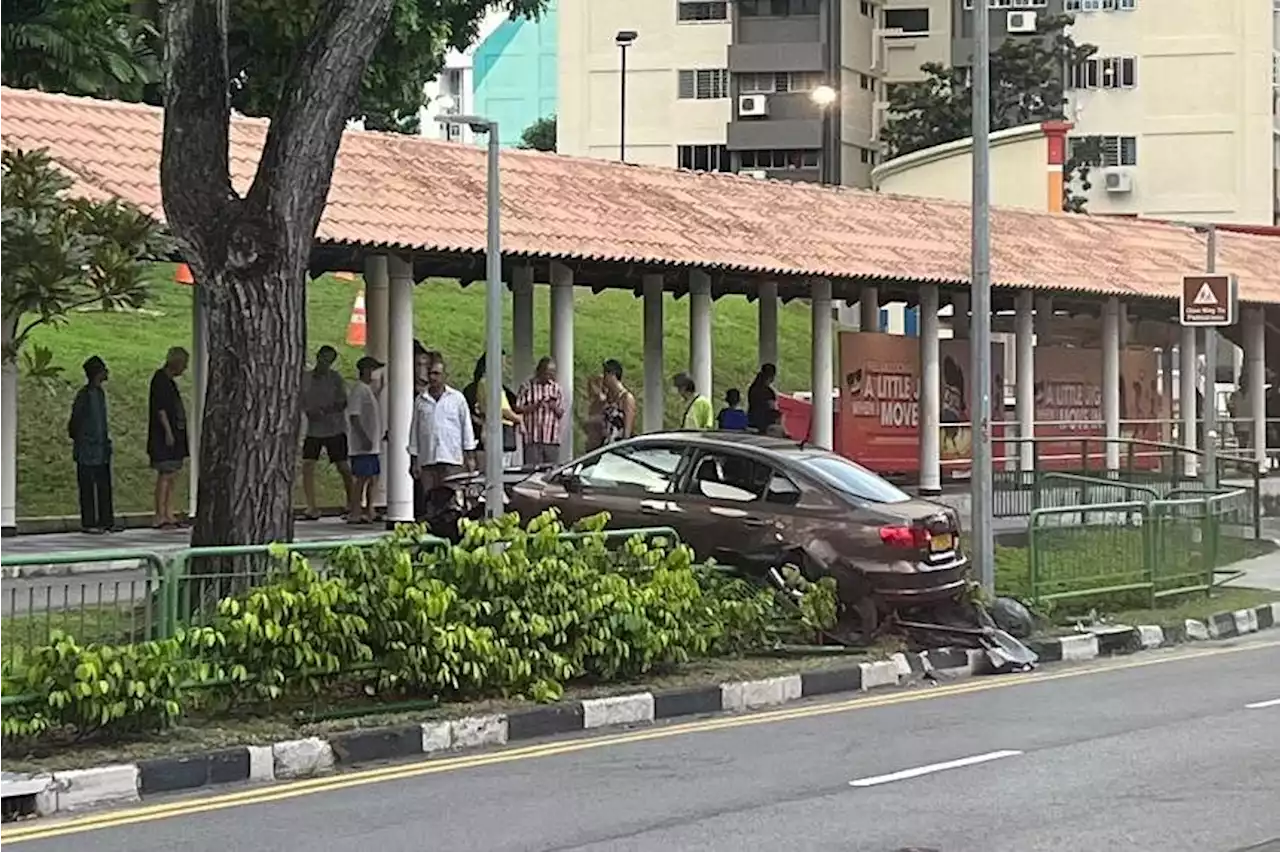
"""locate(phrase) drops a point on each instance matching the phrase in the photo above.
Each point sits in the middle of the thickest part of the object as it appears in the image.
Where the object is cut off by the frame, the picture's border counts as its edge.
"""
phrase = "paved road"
(1134, 756)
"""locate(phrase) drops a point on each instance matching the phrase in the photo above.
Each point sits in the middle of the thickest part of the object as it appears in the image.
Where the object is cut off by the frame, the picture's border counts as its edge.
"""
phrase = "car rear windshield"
(850, 477)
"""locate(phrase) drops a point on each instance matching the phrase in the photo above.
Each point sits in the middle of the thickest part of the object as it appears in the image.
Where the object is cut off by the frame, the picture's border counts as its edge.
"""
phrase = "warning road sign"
(1209, 300)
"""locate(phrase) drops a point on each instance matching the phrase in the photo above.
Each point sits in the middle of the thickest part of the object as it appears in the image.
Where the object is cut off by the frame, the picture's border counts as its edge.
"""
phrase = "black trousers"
(96, 509)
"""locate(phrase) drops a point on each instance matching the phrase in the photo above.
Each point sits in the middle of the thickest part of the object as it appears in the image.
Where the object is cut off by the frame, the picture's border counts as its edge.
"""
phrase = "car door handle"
(653, 507)
(755, 522)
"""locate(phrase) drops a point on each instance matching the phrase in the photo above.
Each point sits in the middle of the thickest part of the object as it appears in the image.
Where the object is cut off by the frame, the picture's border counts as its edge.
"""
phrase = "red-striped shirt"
(541, 422)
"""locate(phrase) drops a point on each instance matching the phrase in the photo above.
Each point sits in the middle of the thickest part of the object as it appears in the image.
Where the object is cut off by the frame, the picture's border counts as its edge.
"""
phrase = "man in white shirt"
(442, 441)
(364, 437)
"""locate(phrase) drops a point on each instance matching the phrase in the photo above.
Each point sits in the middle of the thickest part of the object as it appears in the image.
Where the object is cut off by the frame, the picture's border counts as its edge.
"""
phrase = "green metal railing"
(1159, 466)
(169, 590)
(1151, 549)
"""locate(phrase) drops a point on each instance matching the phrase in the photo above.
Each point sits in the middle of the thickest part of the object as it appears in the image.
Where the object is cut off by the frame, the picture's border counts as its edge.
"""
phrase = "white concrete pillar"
(562, 348)
(767, 323)
(930, 394)
(522, 359)
(654, 381)
(1025, 365)
(377, 328)
(960, 316)
(399, 389)
(1255, 356)
(869, 309)
(822, 427)
(1188, 366)
(9, 448)
(700, 330)
(199, 387)
(1111, 380)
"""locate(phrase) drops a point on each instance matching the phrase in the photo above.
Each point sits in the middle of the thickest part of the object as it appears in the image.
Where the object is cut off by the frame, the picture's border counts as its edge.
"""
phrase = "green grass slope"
(446, 317)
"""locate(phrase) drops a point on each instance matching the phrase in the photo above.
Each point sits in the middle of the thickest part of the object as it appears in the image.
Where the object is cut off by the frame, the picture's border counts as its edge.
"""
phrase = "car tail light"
(908, 537)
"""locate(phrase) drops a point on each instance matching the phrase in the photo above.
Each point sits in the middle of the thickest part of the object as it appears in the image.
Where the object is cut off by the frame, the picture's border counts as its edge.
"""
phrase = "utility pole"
(980, 281)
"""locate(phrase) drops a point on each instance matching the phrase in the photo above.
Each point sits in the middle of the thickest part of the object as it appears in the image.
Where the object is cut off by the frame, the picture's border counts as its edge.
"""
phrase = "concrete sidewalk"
(1261, 572)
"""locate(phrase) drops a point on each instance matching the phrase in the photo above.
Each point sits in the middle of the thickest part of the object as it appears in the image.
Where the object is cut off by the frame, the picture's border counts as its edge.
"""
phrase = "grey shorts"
(167, 466)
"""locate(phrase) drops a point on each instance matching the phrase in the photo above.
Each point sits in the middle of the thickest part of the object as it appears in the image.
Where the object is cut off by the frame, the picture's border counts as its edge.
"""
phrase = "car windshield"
(848, 477)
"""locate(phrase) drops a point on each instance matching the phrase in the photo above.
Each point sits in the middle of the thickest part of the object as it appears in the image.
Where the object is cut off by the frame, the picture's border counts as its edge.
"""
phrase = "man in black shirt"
(167, 433)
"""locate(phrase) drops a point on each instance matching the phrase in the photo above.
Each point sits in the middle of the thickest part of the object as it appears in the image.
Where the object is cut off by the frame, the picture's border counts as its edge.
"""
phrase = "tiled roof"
(420, 194)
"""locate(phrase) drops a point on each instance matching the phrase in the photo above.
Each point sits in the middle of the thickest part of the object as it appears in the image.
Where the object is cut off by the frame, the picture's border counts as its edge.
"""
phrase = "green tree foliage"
(1027, 86)
(61, 253)
(265, 37)
(541, 135)
(98, 48)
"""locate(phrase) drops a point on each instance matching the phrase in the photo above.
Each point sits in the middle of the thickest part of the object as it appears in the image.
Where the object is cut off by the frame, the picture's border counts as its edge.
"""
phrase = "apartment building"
(508, 74)
(723, 86)
(1182, 94)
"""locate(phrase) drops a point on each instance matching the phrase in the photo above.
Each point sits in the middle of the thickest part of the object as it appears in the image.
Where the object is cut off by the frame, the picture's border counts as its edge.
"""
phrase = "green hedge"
(510, 611)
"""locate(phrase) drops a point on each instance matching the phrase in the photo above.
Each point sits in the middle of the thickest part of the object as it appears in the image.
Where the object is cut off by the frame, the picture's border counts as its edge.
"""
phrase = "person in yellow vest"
(698, 412)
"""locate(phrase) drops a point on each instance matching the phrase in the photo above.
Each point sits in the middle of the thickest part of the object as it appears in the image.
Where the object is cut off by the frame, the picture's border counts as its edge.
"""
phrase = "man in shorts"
(324, 402)
(364, 440)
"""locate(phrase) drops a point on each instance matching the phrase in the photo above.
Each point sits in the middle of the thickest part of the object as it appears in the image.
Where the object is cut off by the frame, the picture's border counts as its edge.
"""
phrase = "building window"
(703, 84)
(868, 156)
(779, 159)
(777, 8)
(702, 10)
(867, 84)
(1103, 5)
(1007, 4)
(1115, 150)
(782, 81)
(910, 21)
(703, 158)
(1106, 72)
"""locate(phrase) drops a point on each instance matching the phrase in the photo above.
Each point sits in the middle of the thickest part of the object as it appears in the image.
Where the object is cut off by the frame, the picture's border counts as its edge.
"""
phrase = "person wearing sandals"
(364, 439)
(324, 401)
(167, 446)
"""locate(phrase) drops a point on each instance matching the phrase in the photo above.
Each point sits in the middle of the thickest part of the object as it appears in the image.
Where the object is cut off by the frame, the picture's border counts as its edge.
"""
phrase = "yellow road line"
(400, 772)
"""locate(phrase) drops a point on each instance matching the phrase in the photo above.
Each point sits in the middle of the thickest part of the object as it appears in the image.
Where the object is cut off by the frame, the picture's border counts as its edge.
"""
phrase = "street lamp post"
(494, 496)
(624, 39)
(824, 97)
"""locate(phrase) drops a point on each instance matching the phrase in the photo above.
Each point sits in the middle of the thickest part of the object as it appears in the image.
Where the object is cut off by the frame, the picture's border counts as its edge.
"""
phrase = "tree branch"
(296, 168)
(195, 174)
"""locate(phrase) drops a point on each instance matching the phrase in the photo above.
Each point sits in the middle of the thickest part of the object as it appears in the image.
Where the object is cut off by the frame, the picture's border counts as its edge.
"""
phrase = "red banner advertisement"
(879, 411)
(1069, 402)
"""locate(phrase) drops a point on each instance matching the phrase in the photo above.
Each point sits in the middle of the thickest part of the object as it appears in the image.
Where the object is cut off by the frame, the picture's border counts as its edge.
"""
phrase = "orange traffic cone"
(183, 274)
(355, 328)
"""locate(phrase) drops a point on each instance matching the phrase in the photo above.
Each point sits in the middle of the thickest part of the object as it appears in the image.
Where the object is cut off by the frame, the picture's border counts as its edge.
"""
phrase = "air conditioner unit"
(758, 174)
(753, 105)
(1020, 22)
(1117, 180)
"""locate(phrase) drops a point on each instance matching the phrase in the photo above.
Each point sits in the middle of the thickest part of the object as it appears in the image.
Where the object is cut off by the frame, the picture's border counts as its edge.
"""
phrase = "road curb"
(58, 792)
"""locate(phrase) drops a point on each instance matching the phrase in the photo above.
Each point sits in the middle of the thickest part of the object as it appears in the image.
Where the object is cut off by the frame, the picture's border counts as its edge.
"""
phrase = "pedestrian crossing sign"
(1209, 300)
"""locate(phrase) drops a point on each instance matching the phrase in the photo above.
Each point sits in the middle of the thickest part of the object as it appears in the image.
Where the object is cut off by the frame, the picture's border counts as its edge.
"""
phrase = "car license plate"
(941, 543)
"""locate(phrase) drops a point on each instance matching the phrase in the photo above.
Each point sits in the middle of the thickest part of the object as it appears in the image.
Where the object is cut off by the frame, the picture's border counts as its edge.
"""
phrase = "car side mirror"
(571, 482)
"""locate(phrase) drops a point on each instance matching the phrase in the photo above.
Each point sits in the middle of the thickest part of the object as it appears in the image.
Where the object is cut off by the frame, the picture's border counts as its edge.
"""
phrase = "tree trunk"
(250, 253)
(249, 439)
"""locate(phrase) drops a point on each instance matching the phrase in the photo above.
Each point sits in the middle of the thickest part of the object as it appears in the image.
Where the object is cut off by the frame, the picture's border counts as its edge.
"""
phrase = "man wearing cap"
(91, 449)
(324, 401)
(364, 440)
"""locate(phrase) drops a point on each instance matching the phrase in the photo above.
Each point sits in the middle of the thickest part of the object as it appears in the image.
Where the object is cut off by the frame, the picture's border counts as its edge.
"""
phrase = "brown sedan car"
(758, 503)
